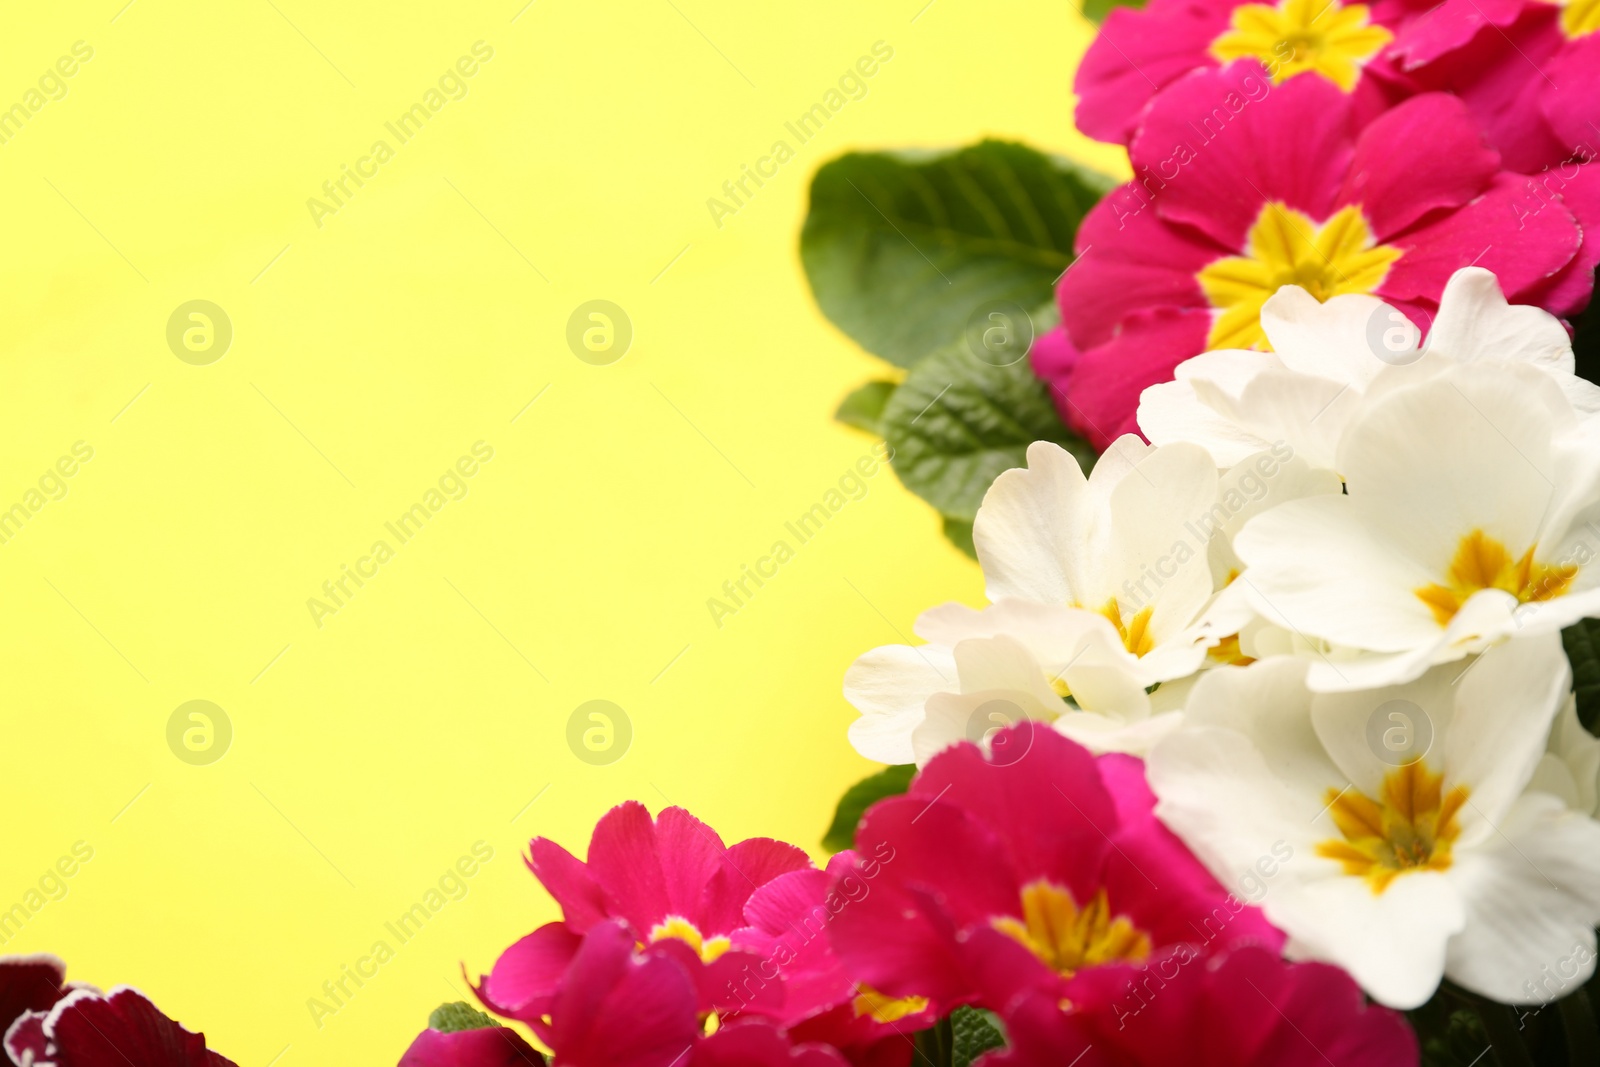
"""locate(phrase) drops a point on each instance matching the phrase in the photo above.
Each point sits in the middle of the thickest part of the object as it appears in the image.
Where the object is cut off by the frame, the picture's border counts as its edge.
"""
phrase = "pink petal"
(1448, 26)
(1227, 141)
(1130, 260)
(746, 866)
(567, 879)
(1138, 53)
(1044, 801)
(1571, 108)
(900, 937)
(1500, 75)
(528, 975)
(1053, 356)
(1422, 156)
(1102, 396)
(789, 919)
(1245, 1008)
(491, 1046)
(616, 1010)
(1491, 232)
(759, 1044)
(1578, 188)
(648, 870)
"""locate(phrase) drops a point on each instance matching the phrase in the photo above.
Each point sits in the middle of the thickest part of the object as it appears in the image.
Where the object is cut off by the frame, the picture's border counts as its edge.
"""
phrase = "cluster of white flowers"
(1325, 606)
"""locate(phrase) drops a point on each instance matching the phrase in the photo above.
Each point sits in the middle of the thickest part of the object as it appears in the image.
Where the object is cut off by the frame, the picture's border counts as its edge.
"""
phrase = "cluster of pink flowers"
(1033, 881)
(1341, 147)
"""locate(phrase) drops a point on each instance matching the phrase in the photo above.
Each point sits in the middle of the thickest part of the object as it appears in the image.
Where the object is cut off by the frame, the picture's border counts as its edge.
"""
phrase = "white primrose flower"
(1471, 515)
(1571, 767)
(1419, 850)
(985, 670)
(1328, 359)
(1097, 584)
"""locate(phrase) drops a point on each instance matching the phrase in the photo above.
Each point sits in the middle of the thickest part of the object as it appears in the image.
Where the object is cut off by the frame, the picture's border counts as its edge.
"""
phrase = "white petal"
(1506, 702)
(1476, 324)
(1393, 943)
(890, 686)
(1032, 530)
(1579, 752)
(1468, 450)
(1329, 340)
(1314, 566)
(1533, 900)
(955, 717)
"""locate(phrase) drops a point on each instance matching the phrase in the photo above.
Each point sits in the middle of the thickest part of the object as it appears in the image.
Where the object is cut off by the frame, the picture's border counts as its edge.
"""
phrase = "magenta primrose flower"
(1243, 1007)
(1137, 53)
(671, 883)
(1243, 186)
(1022, 871)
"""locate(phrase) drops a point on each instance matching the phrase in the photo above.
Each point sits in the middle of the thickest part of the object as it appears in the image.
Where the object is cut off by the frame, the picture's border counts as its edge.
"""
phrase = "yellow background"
(368, 354)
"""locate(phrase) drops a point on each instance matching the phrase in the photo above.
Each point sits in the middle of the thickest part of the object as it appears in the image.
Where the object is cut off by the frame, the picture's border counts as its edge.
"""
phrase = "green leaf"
(973, 1032)
(1582, 640)
(453, 1016)
(959, 533)
(903, 248)
(1097, 10)
(889, 782)
(958, 421)
(863, 408)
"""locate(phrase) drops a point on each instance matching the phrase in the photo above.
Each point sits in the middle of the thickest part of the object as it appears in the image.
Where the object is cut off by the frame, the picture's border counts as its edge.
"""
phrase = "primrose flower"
(1140, 52)
(1468, 518)
(1242, 187)
(1243, 1007)
(1326, 358)
(1097, 586)
(1418, 849)
(671, 881)
(1023, 869)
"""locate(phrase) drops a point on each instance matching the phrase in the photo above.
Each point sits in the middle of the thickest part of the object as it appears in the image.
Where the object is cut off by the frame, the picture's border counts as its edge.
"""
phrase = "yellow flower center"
(1579, 18)
(1135, 632)
(886, 1009)
(1228, 653)
(1300, 35)
(1412, 829)
(1066, 938)
(1285, 247)
(680, 929)
(1481, 562)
